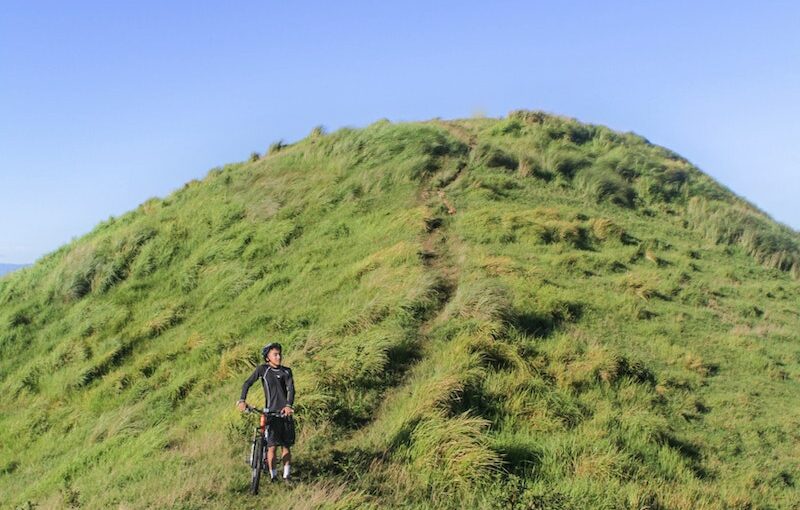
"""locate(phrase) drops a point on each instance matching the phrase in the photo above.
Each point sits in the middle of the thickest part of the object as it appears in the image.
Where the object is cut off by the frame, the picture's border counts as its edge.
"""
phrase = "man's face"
(274, 357)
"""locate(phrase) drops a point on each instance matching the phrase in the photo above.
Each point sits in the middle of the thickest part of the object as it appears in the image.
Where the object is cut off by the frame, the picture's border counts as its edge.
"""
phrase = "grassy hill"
(526, 312)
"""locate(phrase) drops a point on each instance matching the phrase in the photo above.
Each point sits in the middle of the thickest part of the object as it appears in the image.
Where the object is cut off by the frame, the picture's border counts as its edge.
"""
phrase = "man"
(279, 398)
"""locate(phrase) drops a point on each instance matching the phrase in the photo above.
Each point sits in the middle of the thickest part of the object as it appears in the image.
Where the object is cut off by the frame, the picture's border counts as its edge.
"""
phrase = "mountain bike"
(258, 447)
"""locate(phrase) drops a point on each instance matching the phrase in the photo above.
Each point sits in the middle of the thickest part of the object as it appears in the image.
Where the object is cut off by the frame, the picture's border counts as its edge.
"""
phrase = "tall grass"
(526, 312)
(772, 245)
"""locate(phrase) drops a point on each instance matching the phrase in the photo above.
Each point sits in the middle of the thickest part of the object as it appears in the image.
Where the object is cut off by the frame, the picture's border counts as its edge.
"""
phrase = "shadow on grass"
(692, 454)
(542, 325)
(520, 459)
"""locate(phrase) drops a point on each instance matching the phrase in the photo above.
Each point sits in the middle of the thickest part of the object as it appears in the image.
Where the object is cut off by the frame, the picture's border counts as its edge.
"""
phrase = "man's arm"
(258, 372)
(289, 388)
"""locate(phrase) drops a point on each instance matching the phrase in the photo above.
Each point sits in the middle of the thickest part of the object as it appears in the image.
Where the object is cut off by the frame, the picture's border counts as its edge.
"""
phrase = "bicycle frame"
(258, 447)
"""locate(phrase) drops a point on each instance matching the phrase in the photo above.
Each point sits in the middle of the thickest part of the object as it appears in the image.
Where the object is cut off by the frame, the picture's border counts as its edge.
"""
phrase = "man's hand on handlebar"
(286, 411)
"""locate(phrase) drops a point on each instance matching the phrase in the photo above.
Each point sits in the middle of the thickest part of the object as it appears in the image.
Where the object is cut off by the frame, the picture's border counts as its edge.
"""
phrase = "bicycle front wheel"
(256, 463)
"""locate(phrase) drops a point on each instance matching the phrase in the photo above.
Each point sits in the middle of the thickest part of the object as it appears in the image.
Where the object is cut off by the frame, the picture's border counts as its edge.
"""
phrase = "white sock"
(286, 468)
(273, 472)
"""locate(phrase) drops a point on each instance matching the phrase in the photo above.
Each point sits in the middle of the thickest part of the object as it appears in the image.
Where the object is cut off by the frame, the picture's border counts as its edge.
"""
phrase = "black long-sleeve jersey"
(278, 386)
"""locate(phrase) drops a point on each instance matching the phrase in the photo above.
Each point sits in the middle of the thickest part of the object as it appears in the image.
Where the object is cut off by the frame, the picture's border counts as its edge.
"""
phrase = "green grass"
(526, 312)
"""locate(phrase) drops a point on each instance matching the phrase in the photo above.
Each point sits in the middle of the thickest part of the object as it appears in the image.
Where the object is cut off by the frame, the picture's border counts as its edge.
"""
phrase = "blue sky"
(106, 104)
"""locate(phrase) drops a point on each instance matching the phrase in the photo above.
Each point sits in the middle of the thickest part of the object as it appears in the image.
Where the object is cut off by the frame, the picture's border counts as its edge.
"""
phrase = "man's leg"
(271, 461)
(286, 458)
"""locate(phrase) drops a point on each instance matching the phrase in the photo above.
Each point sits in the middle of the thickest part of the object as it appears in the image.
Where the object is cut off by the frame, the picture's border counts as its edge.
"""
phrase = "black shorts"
(280, 431)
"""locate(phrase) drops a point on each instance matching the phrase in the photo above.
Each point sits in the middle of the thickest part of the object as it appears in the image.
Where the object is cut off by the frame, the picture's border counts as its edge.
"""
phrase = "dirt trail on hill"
(460, 132)
(437, 255)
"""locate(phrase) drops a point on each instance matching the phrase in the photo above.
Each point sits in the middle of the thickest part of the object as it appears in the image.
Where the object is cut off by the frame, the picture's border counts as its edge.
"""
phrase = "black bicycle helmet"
(272, 345)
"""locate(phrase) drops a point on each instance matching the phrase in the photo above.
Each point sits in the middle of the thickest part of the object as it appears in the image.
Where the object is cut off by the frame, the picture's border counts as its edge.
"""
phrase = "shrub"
(164, 320)
(508, 127)
(565, 160)
(178, 391)
(276, 147)
(771, 245)
(529, 117)
(451, 454)
(486, 302)
(572, 233)
(80, 286)
(604, 229)
(499, 185)
(19, 318)
(605, 186)
(533, 166)
(107, 362)
(494, 157)
(237, 360)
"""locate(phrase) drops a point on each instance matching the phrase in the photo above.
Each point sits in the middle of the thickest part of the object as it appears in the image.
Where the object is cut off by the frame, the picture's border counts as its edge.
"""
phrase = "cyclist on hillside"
(279, 398)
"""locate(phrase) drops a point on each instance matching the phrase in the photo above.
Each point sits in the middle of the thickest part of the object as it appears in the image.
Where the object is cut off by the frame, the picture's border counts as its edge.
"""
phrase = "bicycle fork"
(261, 431)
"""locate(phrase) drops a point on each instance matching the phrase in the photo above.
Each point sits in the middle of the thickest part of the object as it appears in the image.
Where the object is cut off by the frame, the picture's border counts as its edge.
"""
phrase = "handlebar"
(274, 414)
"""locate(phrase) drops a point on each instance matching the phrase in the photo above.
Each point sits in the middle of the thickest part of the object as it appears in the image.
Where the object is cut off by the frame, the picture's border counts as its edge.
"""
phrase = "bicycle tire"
(256, 463)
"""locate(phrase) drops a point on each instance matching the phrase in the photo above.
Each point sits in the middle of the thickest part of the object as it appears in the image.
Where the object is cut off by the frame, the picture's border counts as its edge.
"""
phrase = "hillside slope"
(526, 312)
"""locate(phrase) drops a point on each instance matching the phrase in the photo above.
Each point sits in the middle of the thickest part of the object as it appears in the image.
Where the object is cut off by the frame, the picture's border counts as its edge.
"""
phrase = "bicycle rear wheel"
(256, 462)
